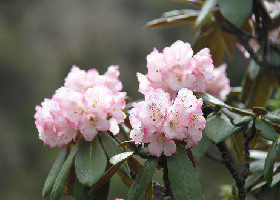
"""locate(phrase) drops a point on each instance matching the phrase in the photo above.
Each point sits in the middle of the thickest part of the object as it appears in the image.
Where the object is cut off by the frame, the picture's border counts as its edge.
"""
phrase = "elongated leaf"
(203, 145)
(273, 118)
(143, 179)
(266, 130)
(102, 192)
(54, 173)
(269, 162)
(206, 9)
(183, 179)
(111, 148)
(90, 162)
(218, 127)
(119, 161)
(253, 179)
(120, 157)
(81, 191)
(188, 16)
(236, 11)
(276, 179)
(63, 174)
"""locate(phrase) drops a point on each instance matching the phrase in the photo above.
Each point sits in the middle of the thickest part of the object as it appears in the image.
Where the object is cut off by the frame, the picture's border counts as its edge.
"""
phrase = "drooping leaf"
(54, 172)
(253, 179)
(111, 148)
(143, 179)
(236, 11)
(90, 162)
(273, 118)
(102, 192)
(183, 179)
(266, 130)
(203, 145)
(242, 121)
(218, 127)
(118, 162)
(81, 191)
(270, 161)
(206, 9)
(63, 174)
(213, 40)
(185, 16)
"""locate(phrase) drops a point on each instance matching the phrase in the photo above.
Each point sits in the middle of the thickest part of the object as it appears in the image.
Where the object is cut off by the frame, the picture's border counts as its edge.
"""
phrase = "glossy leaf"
(253, 179)
(143, 179)
(273, 118)
(269, 162)
(120, 157)
(182, 176)
(242, 121)
(276, 179)
(54, 173)
(206, 9)
(203, 145)
(189, 16)
(90, 162)
(111, 148)
(266, 130)
(236, 11)
(218, 127)
(63, 174)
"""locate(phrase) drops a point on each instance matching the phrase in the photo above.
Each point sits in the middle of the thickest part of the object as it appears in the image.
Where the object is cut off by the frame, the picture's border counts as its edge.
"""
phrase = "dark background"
(39, 42)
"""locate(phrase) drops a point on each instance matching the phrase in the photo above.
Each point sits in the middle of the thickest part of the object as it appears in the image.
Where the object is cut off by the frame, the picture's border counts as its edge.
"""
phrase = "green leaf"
(110, 172)
(90, 162)
(102, 192)
(206, 9)
(54, 173)
(143, 179)
(243, 121)
(269, 162)
(236, 11)
(218, 127)
(203, 145)
(266, 130)
(120, 157)
(63, 174)
(80, 191)
(111, 148)
(273, 118)
(276, 179)
(253, 178)
(183, 179)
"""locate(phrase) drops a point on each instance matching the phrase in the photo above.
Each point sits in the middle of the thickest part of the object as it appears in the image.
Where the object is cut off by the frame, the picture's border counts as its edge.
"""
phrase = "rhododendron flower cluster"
(158, 122)
(176, 68)
(219, 86)
(87, 103)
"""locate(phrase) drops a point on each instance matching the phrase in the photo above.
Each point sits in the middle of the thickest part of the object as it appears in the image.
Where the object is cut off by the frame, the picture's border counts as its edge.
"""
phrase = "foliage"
(166, 127)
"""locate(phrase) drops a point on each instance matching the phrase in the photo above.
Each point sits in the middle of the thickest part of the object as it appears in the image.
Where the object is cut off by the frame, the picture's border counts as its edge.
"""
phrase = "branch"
(161, 192)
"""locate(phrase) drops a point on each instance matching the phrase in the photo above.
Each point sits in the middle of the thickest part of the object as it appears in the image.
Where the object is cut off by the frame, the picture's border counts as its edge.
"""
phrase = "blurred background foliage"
(39, 42)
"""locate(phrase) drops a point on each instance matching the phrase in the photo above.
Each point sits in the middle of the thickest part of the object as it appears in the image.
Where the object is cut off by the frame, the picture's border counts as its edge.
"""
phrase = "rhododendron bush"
(187, 107)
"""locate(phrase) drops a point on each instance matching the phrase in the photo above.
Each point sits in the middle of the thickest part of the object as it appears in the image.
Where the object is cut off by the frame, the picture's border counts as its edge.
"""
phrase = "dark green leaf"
(236, 11)
(112, 148)
(269, 162)
(218, 127)
(90, 162)
(110, 172)
(273, 118)
(206, 9)
(253, 178)
(63, 174)
(54, 173)
(243, 121)
(183, 179)
(81, 191)
(102, 192)
(266, 130)
(203, 145)
(143, 179)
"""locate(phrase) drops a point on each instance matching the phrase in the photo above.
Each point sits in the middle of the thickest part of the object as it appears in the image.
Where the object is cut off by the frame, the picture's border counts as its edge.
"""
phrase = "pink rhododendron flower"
(157, 122)
(88, 103)
(219, 86)
(176, 68)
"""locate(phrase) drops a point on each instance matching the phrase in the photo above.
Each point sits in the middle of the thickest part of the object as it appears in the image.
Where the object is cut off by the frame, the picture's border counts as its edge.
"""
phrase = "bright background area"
(39, 42)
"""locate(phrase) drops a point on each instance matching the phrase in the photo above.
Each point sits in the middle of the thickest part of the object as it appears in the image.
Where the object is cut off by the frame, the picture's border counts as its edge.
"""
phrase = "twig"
(165, 176)
(161, 192)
